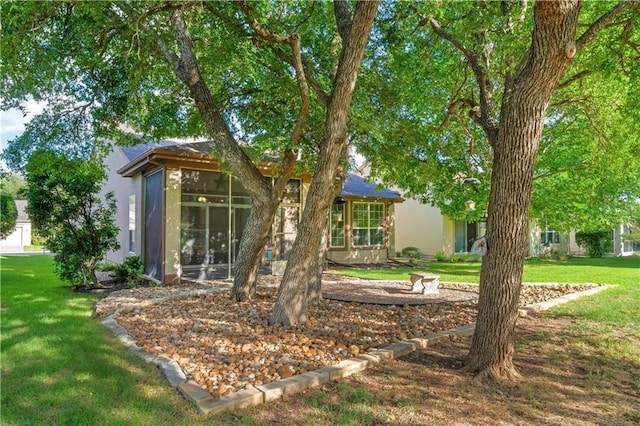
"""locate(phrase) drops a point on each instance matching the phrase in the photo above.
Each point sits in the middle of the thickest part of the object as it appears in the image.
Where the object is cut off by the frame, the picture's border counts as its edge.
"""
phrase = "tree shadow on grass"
(60, 366)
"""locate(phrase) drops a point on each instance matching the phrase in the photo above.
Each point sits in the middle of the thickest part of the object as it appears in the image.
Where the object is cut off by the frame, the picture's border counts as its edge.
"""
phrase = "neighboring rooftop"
(357, 186)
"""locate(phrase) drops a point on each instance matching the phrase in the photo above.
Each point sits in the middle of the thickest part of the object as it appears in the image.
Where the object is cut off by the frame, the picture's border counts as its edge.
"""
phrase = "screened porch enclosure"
(211, 234)
(214, 212)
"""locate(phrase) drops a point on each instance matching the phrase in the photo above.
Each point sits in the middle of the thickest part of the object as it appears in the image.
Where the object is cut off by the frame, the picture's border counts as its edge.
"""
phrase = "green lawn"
(61, 366)
(620, 305)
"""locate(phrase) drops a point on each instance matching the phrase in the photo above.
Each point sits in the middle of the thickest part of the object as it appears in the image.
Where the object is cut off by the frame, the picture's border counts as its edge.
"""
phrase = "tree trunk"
(314, 286)
(291, 303)
(265, 195)
(523, 109)
(314, 289)
(254, 238)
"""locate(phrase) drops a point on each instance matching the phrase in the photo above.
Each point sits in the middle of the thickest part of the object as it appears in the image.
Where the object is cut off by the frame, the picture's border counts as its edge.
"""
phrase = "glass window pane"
(202, 182)
(132, 223)
(360, 237)
(193, 235)
(367, 221)
(337, 225)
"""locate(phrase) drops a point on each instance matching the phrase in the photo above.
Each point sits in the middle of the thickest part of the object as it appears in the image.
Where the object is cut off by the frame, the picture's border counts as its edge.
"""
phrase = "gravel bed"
(225, 346)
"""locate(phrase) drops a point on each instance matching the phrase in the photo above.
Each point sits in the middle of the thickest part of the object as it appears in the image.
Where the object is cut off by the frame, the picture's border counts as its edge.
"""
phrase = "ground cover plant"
(581, 365)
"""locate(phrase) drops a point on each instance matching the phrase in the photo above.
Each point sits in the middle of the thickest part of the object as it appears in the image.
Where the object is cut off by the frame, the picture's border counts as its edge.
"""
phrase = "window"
(132, 223)
(368, 219)
(466, 233)
(337, 226)
(549, 236)
(628, 241)
(292, 192)
(286, 229)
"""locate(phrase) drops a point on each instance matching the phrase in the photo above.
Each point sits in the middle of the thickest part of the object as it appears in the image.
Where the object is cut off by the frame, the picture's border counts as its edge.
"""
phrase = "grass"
(34, 248)
(61, 366)
(620, 305)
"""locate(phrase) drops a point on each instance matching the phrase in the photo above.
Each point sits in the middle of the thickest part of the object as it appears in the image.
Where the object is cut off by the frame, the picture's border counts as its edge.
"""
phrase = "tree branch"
(557, 171)
(486, 116)
(573, 79)
(292, 40)
(591, 33)
(343, 18)
(257, 27)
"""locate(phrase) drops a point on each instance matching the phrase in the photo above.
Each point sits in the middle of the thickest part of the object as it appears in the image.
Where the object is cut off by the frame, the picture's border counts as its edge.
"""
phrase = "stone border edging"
(257, 395)
(543, 306)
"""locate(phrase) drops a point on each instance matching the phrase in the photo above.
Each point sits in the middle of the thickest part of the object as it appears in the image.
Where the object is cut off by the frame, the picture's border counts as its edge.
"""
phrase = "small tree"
(63, 206)
(8, 215)
(596, 243)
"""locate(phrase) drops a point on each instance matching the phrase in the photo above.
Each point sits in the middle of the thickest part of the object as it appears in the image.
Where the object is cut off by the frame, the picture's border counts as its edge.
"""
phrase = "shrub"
(411, 253)
(553, 253)
(441, 256)
(63, 206)
(8, 214)
(596, 243)
(130, 271)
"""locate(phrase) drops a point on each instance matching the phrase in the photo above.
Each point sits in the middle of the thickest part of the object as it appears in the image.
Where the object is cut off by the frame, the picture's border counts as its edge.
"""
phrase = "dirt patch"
(564, 383)
(392, 293)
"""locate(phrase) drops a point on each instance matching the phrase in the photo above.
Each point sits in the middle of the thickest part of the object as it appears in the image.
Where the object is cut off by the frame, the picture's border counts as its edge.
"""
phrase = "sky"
(12, 122)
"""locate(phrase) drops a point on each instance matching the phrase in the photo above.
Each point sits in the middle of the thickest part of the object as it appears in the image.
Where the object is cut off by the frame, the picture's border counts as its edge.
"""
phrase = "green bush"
(596, 243)
(8, 214)
(130, 271)
(441, 256)
(411, 253)
(553, 253)
(76, 225)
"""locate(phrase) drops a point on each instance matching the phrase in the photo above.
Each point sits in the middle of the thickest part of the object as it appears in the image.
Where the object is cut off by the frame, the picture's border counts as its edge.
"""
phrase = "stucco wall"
(355, 255)
(122, 188)
(419, 225)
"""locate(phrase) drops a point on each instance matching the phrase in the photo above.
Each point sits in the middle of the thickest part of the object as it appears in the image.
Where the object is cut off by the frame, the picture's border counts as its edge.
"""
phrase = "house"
(21, 235)
(426, 228)
(183, 214)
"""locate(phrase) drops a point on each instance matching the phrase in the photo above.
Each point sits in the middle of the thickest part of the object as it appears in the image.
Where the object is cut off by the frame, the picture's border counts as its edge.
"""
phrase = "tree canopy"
(422, 131)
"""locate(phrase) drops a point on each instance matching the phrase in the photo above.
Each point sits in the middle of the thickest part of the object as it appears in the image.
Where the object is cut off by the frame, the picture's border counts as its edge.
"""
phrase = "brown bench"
(424, 282)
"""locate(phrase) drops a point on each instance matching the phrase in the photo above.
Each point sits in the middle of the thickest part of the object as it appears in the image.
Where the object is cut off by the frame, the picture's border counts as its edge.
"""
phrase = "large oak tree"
(491, 77)
(514, 131)
(232, 72)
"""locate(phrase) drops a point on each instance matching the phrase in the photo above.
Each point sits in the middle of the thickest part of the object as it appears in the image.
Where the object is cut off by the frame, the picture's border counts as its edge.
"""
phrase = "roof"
(354, 187)
(143, 156)
(133, 152)
(357, 186)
